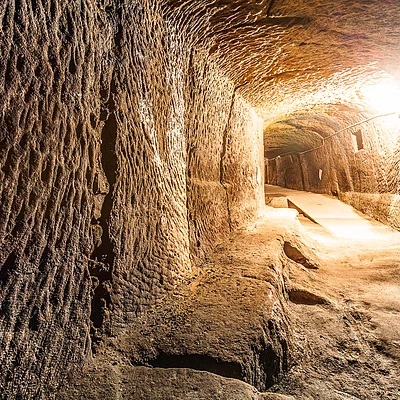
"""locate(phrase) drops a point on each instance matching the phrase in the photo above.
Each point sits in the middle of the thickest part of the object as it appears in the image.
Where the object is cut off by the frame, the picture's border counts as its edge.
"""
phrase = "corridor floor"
(352, 346)
(340, 219)
(334, 301)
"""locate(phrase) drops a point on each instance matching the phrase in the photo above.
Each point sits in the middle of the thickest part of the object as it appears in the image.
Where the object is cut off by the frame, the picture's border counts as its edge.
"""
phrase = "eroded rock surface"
(345, 318)
(162, 384)
(228, 320)
(125, 153)
(131, 145)
(342, 340)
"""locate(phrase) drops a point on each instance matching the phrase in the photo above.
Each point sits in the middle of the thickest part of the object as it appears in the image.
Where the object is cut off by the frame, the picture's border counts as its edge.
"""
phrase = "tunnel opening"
(338, 149)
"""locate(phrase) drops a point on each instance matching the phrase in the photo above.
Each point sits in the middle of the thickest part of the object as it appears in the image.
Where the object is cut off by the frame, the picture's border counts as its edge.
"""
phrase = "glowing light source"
(383, 97)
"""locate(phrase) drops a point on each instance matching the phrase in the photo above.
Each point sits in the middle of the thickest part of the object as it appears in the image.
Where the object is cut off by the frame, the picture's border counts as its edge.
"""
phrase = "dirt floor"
(351, 345)
(282, 310)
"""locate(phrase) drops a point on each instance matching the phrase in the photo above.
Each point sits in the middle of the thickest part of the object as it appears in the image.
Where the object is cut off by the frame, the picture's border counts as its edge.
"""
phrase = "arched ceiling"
(302, 64)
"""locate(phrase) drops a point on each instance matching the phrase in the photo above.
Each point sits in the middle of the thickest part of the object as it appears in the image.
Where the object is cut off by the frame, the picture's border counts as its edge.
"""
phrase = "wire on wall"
(332, 135)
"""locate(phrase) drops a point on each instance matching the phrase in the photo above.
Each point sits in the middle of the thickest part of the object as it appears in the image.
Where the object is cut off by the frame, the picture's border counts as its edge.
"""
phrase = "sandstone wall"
(224, 157)
(366, 178)
(124, 153)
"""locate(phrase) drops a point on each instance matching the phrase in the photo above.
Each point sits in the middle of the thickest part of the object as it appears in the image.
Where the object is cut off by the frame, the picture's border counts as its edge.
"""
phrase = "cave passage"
(199, 199)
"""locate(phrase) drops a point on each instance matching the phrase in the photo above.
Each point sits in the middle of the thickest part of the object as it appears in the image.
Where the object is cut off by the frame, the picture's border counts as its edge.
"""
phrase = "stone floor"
(284, 309)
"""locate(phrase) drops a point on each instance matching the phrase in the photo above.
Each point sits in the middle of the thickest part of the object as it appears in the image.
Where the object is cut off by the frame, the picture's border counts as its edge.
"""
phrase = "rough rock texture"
(225, 156)
(129, 147)
(291, 55)
(124, 153)
(162, 384)
(229, 319)
(346, 326)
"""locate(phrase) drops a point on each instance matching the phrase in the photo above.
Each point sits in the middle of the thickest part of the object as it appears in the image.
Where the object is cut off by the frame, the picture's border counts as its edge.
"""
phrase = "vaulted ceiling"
(303, 64)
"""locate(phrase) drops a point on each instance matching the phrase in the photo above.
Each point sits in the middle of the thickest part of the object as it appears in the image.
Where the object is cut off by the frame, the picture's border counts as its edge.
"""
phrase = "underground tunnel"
(199, 199)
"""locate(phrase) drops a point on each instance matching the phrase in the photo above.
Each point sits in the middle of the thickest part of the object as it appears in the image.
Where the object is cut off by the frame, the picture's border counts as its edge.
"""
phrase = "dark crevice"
(9, 164)
(53, 10)
(72, 66)
(119, 35)
(359, 140)
(302, 296)
(101, 266)
(109, 157)
(93, 122)
(6, 269)
(200, 362)
(20, 63)
(297, 256)
(270, 367)
(268, 358)
(34, 320)
(269, 362)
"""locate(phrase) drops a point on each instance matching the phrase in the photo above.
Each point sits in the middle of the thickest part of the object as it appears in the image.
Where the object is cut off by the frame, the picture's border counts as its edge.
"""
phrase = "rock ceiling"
(299, 58)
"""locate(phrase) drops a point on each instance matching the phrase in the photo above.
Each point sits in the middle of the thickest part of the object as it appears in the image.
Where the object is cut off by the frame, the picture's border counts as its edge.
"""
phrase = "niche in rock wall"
(271, 172)
(357, 141)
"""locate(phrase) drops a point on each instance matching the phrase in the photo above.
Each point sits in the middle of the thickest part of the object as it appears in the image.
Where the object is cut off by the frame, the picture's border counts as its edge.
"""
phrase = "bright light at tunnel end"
(383, 98)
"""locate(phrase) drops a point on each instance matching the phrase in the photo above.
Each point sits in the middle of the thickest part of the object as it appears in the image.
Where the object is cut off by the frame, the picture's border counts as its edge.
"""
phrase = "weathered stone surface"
(104, 108)
(129, 147)
(383, 207)
(227, 320)
(224, 174)
(162, 384)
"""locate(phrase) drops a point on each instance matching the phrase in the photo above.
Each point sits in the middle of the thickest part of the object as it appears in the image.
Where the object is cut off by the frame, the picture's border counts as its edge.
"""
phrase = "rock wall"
(125, 155)
(225, 157)
(364, 174)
